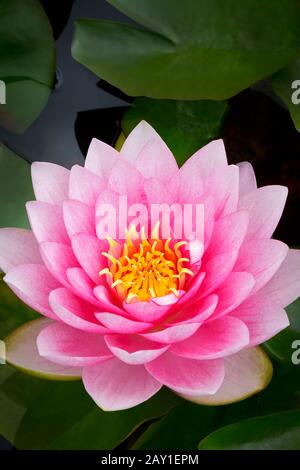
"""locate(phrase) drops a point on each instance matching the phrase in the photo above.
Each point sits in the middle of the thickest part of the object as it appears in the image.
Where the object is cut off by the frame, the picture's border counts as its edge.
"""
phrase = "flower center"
(144, 268)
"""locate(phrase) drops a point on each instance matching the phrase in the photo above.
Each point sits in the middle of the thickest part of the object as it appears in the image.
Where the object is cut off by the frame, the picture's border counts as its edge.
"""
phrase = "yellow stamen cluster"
(145, 269)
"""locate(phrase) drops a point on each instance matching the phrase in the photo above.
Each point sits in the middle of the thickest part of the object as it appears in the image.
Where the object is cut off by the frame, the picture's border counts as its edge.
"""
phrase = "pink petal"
(58, 258)
(225, 190)
(78, 218)
(247, 179)
(151, 311)
(234, 290)
(265, 206)
(172, 334)
(50, 182)
(284, 287)
(101, 158)
(157, 192)
(137, 139)
(261, 258)
(22, 353)
(68, 346)
(193, 288)
(228, 234)
(246, 373)
(17, 246)
(85, 186)
(82, 285)
(187, 375)
(119, 324)
(264, 319)
(215, 339)
(196, 250)
(155, 160)
(74, 311)
(195, 312)
(106, 300)
(126, 180)
(209, 159)
(133, 349)
(217, 269)
(47, 222)
(32, 283)
(88, 251)
(186, 186)
(114, 385)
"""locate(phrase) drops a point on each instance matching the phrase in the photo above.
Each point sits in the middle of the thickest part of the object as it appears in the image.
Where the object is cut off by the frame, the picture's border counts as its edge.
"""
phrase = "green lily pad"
(182, 428)
(190, 50)
(22, 353)
(13, 313)
(61, 415)
(278, 431)
(27, 62)
(281, 347)
(15, 189)
(185, 126)
(286, 84)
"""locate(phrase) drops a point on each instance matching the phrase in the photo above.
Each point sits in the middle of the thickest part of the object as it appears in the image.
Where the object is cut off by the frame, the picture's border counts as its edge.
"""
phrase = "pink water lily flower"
(129, 314)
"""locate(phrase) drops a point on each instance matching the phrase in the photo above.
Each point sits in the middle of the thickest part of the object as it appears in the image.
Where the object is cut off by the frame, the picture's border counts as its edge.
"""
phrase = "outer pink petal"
(155, 160)
(17, 246)
(133, 349)
(78, 218)
(264, 319)
(187, 186)
(32, 283)
(114, 385)
(247, 179)
(227, 191)
(74, 311)
(58, 258)
(215, 339)
(172, 334)
(22, 353)
(137, 139)
(265, 206)
(88, 251)
(247, 372)
(47, 222)
(157, 192)
(209, 159)
(236, 288)
(261, 258)
(118, 324)
(126, 180)
(50, 182)
(84, 185)
(101, 158)
(284, 287)
(187, 375)
(228, 234)
(68, 346)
